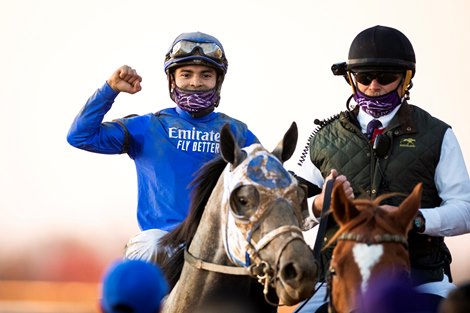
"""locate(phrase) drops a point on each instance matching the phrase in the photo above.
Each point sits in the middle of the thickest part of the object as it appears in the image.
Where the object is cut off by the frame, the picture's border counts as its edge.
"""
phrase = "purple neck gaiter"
(194, 101)
(378, 106)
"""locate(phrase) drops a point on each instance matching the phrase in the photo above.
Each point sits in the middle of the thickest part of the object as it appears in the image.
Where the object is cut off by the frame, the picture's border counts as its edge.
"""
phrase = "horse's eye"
(244, 201)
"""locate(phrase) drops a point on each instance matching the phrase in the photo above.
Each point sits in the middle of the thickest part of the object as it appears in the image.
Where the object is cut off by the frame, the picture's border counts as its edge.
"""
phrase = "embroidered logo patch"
(408, 143)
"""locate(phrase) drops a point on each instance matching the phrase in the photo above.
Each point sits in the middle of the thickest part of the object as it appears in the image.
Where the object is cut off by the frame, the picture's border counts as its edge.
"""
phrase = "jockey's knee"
(145, 246)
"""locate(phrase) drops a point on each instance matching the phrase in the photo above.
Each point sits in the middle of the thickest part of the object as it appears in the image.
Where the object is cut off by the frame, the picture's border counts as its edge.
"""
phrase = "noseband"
(260, 269)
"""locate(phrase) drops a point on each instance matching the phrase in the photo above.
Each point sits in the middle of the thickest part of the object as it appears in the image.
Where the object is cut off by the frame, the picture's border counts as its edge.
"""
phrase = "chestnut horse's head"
(371, 240)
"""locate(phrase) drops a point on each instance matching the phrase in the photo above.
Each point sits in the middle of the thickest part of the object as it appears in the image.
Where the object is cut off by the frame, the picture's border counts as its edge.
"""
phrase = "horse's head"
(370, 241)
(262, 209)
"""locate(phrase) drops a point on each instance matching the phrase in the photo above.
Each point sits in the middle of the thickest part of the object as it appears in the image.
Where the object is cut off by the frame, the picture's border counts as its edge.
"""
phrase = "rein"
(212, 267)
(323, 220)
(320, 234)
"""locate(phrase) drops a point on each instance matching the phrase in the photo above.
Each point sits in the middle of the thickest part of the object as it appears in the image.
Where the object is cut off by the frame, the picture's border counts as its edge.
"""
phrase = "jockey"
(168, 146)
(405, 146)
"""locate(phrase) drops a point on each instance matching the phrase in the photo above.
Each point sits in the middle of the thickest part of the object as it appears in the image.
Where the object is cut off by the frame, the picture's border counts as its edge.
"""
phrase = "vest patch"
(407, 143)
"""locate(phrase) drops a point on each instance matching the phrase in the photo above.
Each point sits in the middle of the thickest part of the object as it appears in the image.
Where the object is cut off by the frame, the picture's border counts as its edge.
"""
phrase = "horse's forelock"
(369, 213)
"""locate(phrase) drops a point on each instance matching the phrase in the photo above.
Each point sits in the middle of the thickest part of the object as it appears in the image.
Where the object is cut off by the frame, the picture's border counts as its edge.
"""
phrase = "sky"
(56, 53)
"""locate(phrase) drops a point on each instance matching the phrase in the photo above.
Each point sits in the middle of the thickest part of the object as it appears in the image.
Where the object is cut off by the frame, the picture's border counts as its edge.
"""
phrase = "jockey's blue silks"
(169, 134)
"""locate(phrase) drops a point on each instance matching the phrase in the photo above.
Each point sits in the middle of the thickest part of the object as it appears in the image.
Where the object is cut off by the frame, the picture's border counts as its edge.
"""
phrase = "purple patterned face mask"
(195, 101)
(378, 106)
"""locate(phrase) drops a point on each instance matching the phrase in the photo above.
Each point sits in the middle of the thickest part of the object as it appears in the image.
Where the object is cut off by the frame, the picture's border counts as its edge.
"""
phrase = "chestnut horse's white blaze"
(366, 256)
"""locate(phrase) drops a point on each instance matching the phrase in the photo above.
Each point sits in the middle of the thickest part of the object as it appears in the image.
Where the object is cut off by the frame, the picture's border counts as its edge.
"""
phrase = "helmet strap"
(350, 81)
(220, 80)
(406, 82)
(171, 79)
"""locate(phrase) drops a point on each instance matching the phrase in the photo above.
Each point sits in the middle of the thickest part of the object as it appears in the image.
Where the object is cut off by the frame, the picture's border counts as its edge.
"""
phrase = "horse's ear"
(408, 209)
(286, 146)
(229, 149)
(343, 208)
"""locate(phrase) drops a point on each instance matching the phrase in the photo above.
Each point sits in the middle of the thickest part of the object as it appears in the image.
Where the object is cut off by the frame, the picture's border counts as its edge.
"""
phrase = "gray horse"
(241, 248)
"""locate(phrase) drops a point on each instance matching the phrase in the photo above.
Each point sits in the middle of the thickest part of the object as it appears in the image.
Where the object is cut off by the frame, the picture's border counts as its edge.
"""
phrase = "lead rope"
(323, 220)
(320, 234)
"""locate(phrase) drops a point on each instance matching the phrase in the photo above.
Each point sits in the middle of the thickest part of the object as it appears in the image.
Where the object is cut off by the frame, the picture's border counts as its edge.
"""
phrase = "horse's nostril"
(289, 272)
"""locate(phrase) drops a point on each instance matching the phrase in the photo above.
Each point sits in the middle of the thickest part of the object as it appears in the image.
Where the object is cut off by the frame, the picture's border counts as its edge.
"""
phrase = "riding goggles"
(184, 48)
(383, 78)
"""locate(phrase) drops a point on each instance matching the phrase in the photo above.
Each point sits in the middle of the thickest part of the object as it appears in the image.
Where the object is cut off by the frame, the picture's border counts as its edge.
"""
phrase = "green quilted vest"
(408, 154)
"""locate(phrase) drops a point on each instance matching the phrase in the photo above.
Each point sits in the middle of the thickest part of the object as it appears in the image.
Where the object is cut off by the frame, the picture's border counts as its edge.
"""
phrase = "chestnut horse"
(370, 241)
(241, 247)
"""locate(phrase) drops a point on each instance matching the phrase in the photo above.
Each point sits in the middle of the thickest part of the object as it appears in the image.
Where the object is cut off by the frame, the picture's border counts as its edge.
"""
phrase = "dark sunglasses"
(382, 78)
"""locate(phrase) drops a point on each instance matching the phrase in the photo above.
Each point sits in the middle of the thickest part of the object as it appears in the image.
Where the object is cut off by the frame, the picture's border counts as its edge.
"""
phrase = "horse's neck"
(207, 243)
(198, 287)
(194, 284)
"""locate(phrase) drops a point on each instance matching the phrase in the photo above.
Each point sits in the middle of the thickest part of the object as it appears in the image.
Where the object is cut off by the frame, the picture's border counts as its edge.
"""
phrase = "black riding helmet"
(381, 48)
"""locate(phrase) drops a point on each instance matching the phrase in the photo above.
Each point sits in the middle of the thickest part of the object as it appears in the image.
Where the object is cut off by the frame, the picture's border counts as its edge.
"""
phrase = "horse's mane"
(370, 214)
(203, 184)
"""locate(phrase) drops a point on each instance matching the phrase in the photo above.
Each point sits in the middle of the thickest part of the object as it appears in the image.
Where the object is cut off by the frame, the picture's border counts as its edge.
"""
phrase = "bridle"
(360, 238)
(264, 272)
(375, 240)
